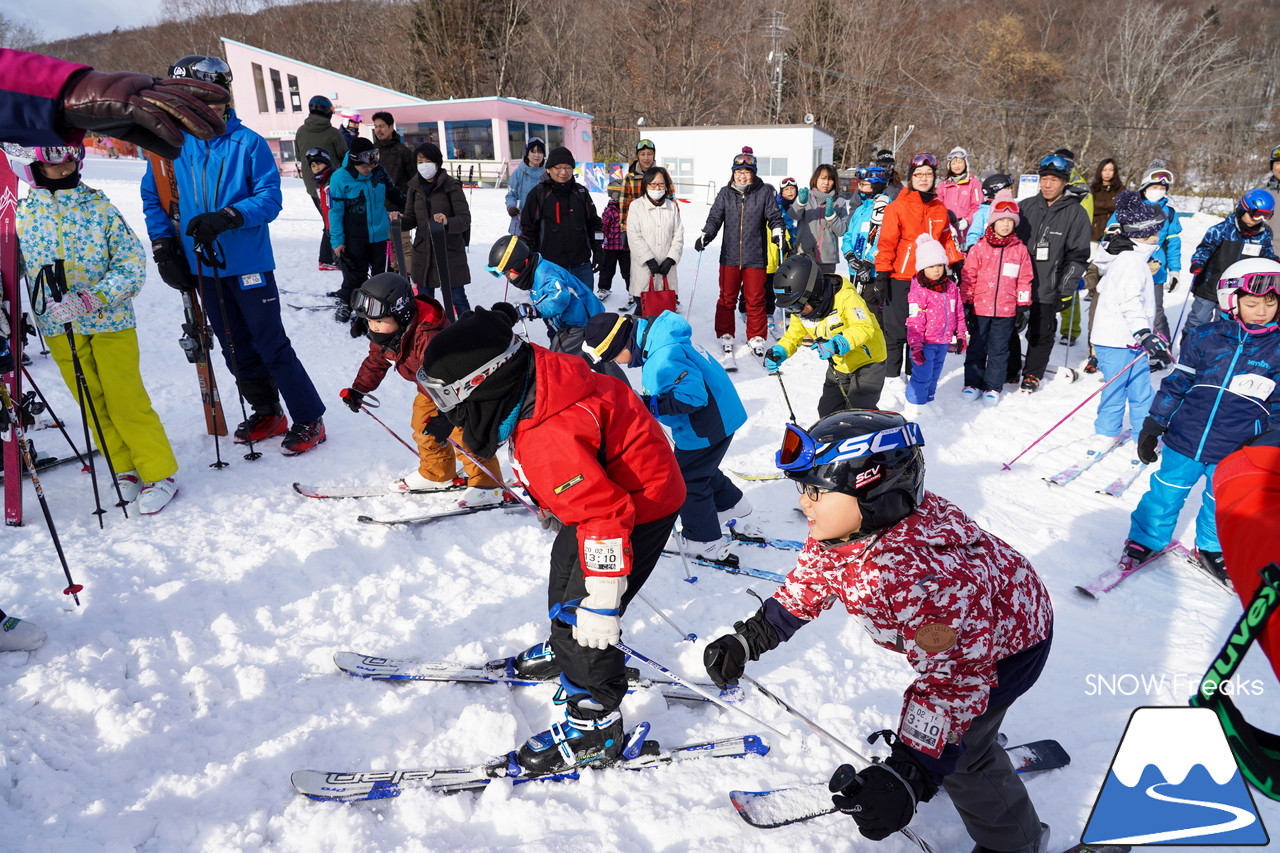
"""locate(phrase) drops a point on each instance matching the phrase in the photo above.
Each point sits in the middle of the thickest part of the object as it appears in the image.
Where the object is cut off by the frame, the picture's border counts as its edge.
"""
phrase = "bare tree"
(16, 33)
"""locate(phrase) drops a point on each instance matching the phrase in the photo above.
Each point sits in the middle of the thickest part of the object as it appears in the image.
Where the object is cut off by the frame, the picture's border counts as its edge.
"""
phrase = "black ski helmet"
(319, 155)
(210, 69)
(321, 106)
(385, 295)
(992, 184)
(512, 253)
(871, 455)
(796, 282)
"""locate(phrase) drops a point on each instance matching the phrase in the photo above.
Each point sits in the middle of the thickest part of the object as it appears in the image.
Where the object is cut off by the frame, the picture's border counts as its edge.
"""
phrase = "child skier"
(968, 611)
(61, 219)
(613, 254)
(960, 191)
(400, 326)
(1242, 235)
(559, 298)
(320, 163)
(995, 286)
(693, 397)
(358, 221)
(859, 242)
(1166, 260)
(1223, 392)
(593, 457)
(827, 309)
(1124, 312)
(935, 322)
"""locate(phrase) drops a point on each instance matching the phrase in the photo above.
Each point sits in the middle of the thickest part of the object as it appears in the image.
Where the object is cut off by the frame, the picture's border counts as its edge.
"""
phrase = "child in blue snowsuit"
(859, 242)
(693, 397)
(1244, 234)
(1222, 392)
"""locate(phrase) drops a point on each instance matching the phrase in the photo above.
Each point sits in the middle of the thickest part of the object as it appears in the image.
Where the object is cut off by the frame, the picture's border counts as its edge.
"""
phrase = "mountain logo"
(1173, 780)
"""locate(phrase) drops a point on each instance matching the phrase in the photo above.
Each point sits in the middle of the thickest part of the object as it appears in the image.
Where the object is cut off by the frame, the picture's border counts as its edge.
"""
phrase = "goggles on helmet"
(449, 395)
(1160, 176)
(59, 154)
(876, 175)
(211, 69)
(367, 158)
(1056, 163)
(800, 451)
(1257, 283)
(1275, 154)
(924, 158)
(788, 182)
(370, 307)
(1254, 210)
(645, 143)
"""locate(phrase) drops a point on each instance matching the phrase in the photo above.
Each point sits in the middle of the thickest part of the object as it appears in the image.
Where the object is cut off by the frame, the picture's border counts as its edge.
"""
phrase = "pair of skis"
(1128, 566)
(1119, 485)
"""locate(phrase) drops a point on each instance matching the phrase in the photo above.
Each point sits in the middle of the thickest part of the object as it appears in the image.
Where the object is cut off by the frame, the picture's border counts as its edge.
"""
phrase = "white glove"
(596, 630)
(962, 224)
(72, 307)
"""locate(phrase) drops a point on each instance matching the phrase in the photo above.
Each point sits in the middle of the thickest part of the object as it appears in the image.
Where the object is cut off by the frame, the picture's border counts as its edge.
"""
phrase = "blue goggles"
(801, 451)
(1058, 164)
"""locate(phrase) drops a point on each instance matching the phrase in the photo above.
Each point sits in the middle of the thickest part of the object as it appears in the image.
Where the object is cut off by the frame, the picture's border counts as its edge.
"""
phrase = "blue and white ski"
(1120, 484)
(766, 541)
(733, 567)
(1068, 474)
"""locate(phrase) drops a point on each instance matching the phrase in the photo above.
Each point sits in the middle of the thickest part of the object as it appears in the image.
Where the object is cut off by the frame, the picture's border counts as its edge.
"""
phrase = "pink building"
(483, 136)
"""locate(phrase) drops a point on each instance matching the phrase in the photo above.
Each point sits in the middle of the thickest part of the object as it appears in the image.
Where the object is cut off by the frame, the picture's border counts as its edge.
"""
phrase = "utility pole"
(777, 57)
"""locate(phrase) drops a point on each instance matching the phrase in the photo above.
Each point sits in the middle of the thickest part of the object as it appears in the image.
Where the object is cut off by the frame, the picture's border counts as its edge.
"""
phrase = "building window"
(469, 140)
(278, 89)
(413, 135)
(260, 87)
(517, 139)
(295, 97)
(772, 166)
(288, 152)
(680, 169)
(555, 136)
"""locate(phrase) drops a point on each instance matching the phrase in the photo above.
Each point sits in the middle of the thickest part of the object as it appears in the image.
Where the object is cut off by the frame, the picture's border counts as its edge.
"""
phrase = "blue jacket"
(977, 225)
(1222, 391)
(561, 298)
(701, 407)
(235, 169)
(523, 179)
(1223, 245)
(360, 197)
(1168, 251)
(857, 236)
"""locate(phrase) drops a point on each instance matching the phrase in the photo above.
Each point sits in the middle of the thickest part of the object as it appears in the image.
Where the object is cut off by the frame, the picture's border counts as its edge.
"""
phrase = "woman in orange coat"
(915, 211)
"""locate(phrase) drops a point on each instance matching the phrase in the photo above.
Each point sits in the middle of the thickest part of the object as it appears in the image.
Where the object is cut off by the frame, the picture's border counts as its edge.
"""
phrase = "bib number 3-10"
(603, 557)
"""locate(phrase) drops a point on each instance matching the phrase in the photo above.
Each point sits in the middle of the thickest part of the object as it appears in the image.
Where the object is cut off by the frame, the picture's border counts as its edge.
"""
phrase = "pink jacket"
(934, 574)
(933, 317)
(996, 280)
(961, 199)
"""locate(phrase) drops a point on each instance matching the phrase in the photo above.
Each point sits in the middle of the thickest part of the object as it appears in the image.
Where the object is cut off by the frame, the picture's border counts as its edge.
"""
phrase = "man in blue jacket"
(228, 191)
(693, 397)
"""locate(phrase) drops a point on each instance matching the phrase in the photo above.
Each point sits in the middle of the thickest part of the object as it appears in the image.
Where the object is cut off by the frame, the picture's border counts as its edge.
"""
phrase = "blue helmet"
(320, 105)
(1258, 203)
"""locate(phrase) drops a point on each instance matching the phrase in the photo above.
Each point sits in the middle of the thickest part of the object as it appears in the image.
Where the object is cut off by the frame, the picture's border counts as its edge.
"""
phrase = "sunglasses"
(449, 395)
(1058, 164)
(924, 159)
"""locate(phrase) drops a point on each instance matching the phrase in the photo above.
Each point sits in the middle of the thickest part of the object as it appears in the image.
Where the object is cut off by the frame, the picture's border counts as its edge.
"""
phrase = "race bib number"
(923, 728)
(1252, 385)
(1024, 295)
(603, 557)
(1042, 253)
(1251, 249)
(1011, 270)
(251, 280)
(912, 309)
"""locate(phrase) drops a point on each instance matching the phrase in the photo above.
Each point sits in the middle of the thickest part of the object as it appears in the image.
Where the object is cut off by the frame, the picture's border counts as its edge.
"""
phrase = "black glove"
(1064, 305)
(207, 226)
(701, 242)
(1172, 284)
(508, 312)
(597, 254)
(1148, 439)
(1156, 346)
(970, 317)
(956, 269)
(141, 109)
(352, 398)
(439, 428)
(1020, 319)
(665, 266)
(6, 358)
(882, 798)
(726, 658)
(172, 263)
(851, 259)
(652, 264)
(513, 211)
(876, 290)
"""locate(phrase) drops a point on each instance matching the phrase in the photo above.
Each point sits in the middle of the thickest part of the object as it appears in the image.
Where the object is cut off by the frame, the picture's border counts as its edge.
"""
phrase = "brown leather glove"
(144, 110)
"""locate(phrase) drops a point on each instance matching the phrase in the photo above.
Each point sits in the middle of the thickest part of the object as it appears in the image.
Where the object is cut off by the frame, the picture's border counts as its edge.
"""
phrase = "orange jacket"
(906, 218)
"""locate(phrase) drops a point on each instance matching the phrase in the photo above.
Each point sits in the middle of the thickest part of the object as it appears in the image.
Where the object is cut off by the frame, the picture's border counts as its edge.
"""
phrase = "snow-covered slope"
(167, 713)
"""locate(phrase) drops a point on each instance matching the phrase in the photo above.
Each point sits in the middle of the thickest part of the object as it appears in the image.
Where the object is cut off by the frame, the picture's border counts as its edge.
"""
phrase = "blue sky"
(64, 18)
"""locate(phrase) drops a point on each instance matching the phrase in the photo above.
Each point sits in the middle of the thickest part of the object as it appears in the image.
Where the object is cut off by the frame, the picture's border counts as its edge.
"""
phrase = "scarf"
(996, 240)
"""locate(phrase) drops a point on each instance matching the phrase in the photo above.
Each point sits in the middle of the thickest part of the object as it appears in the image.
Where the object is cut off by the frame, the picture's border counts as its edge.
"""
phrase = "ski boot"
(586, 735)
(302, 437)
(536, 663)
(1137, 552)
(737, 519)
(1212, 562)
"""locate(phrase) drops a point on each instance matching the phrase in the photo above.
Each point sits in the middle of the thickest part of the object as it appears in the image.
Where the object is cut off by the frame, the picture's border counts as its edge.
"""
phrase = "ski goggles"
(366, 158)
(319, 155)
(449, 395)
(370, 307)
(211, 69)
(1257, 283)
(1255, 211)
(875, 175)
(801, 451)
(1160, 176)
(788, 182)
(924, 158)
(1005, 206)
(1275, 154)
(745, 161)
(1056, 163)
(645, 143)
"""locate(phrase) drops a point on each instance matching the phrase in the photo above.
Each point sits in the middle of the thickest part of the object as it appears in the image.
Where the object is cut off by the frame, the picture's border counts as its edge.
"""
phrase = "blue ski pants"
(1156, 516)
(1134, 386)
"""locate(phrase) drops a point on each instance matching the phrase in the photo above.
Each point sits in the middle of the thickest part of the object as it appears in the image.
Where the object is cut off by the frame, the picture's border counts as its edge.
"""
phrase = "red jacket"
(996, 280)
(941, 590)
(906, 218)
(593, 455)
(412, 343)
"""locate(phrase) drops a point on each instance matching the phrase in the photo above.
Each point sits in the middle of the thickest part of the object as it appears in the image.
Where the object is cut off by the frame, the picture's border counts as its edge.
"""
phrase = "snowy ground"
(167, 713)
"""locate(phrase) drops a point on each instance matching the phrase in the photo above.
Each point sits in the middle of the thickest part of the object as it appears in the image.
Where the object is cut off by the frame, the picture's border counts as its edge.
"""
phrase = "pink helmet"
(23, 158)
(1257, 276)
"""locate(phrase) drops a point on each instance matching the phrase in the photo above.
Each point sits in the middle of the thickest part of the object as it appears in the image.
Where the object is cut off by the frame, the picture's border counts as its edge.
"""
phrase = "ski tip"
(365, 519)
(297, 487)
(1088, 593)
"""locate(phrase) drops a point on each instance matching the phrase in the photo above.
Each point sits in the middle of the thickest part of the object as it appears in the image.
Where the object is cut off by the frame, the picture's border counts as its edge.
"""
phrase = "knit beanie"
(745, 160)
(359, 145)
(560, 157)
(1138, 217)
(929, 252)
(462, 348)
(606, 335)
(1004, 206)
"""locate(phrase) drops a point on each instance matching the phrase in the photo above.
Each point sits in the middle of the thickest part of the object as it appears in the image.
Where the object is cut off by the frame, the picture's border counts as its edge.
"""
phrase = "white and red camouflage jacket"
(941, 590)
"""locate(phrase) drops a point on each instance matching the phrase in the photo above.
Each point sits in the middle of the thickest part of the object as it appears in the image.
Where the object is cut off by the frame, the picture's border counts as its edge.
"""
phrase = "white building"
(700, 159)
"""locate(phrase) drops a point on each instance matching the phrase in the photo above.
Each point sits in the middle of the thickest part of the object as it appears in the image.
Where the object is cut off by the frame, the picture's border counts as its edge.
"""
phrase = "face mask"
(427, 170)
(657, 195)
(1155, 193)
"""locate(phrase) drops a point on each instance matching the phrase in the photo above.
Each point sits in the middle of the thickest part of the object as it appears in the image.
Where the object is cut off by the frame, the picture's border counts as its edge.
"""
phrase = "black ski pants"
(601, 672)
(858, 390)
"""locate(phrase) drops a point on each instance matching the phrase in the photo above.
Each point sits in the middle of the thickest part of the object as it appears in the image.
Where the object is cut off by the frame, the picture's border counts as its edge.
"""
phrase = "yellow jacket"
(849, 316)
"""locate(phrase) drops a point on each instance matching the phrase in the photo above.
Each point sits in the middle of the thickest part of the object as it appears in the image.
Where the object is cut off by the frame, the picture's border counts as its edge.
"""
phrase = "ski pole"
(1122, 372)
(230, 344)
(785, 396)
(61, 426)
(627, 650)
(458, 446)
(394, 434)
(691, 637)
(73, 589)
(697, 268)
(203, 336)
